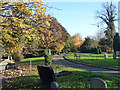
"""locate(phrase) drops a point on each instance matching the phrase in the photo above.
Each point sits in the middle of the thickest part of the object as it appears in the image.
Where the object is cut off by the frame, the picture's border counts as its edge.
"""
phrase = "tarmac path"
(58, 59)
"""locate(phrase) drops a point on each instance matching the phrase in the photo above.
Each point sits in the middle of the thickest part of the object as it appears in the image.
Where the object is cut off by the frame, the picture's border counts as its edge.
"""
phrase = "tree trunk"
(114, 55)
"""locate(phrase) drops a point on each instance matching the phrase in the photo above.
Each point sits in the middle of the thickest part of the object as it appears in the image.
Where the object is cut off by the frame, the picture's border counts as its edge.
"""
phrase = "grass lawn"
(76, 79)
(96, 59)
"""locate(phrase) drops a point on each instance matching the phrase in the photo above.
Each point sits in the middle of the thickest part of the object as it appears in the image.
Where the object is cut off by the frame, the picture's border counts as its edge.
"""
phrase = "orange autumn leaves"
(77, 41)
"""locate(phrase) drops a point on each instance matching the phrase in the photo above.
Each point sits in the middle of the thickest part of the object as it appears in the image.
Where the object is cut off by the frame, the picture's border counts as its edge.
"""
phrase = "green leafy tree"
(89, 46)
(69, 46)
(86, 46)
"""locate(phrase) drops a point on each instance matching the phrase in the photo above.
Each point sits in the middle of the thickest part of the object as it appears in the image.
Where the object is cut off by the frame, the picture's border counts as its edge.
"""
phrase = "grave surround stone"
(7, 64)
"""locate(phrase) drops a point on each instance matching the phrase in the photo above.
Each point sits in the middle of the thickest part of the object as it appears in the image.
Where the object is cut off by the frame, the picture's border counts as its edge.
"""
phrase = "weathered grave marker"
(54, 85)
(98, 83)
(105, 55)
(117, 53)
(47, 75)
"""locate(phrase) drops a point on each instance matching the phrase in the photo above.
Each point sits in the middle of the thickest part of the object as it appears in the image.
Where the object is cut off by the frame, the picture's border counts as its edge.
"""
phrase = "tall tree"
(54, 37)
(69, 45)
(19, 25)
(107, 15)
(89, 45)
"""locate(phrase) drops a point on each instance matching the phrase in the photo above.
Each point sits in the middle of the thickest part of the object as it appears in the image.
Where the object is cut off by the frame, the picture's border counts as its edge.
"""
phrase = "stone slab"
(4, 63)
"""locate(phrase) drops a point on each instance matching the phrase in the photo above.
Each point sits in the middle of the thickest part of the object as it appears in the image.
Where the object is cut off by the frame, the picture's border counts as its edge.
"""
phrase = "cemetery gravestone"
(98, 83)
(117, 53)
(47, 75)
(54, 85)
(105, 55)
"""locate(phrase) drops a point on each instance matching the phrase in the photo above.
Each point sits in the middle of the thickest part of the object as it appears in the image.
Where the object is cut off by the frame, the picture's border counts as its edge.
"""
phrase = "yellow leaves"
(43, 38)
(60, 46)
(21, 25)
(29, 37)
(43, 8)
(32, 12)
(4, 24)
(21, 3)
(77, 41)
(15, 3)
(49, 33)
(39, 5)
(47, 23)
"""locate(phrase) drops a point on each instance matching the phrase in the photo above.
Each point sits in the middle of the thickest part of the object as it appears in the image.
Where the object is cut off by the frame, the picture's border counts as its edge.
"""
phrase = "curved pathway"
(58, 59)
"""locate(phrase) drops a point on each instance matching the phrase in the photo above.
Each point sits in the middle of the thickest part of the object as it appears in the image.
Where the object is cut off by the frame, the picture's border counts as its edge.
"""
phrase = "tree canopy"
(77, 41)
(25, 27)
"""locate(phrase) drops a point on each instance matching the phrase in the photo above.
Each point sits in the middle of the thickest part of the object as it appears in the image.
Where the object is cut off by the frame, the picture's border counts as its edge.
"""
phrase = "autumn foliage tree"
(77, 41)
(54, 37)
(19, 25)
(26, 27)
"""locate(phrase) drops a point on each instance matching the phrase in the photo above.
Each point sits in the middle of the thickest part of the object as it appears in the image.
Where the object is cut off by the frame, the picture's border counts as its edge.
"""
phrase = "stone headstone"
(105, 55)
(98, 83)
(117, 53)
(54, 85)
(47, 75)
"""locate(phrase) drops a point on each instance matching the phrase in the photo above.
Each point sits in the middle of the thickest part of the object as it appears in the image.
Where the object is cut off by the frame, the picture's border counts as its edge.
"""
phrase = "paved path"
(58, 59)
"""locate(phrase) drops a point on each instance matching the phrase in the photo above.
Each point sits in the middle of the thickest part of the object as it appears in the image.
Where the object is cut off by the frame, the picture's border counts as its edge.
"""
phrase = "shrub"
(17, 56)
(48, 57)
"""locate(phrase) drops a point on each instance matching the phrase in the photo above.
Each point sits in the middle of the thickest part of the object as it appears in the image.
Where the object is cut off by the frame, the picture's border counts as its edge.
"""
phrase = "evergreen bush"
(48, 57)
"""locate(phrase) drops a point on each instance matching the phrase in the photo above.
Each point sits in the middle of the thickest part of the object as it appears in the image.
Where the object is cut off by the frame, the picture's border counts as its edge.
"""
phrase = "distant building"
(119, 17)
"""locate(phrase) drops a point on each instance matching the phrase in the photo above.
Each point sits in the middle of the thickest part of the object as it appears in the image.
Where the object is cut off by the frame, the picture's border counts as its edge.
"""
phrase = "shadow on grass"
(82, 80)
(23, 82)
(77, 79)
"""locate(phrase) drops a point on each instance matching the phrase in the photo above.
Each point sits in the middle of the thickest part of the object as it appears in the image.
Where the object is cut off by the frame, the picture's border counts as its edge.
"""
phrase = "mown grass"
(76, 79)
(97, 60)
